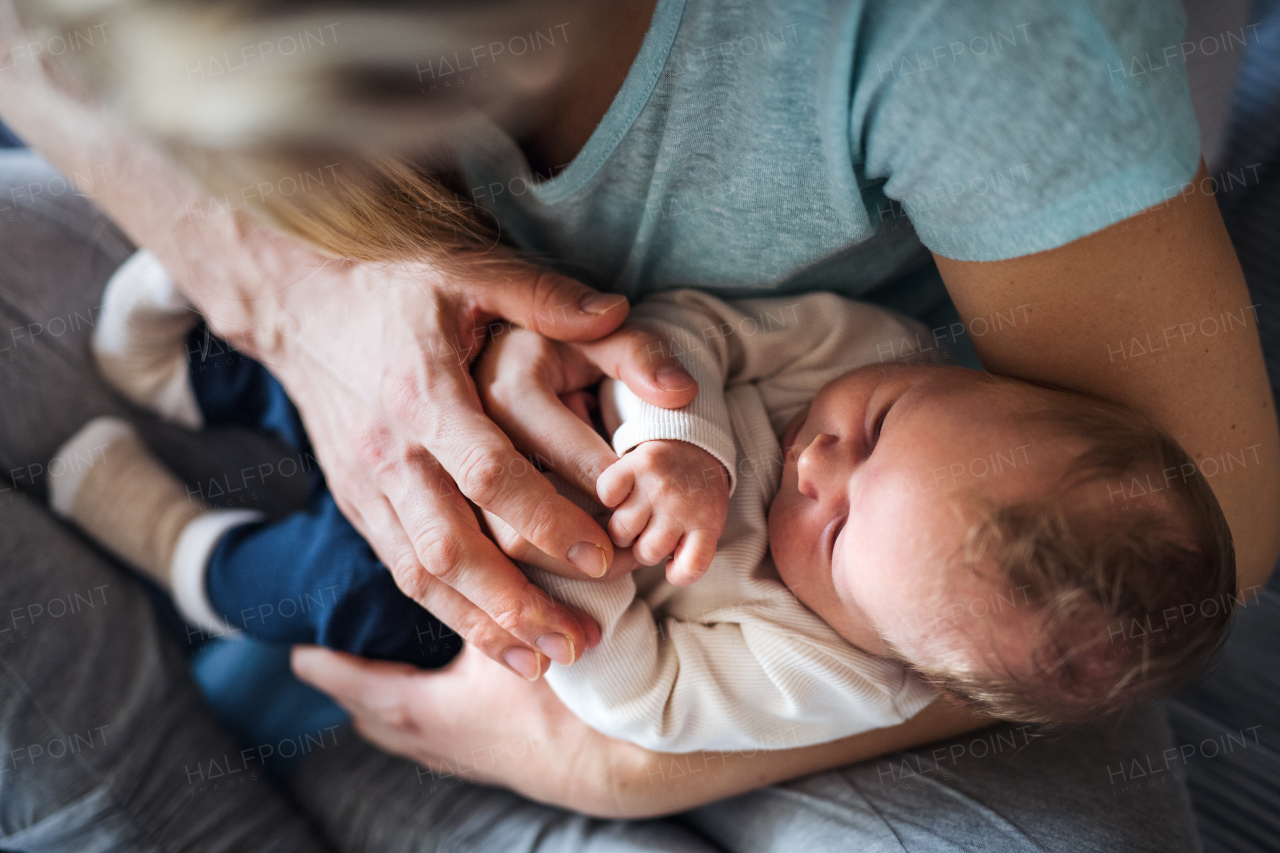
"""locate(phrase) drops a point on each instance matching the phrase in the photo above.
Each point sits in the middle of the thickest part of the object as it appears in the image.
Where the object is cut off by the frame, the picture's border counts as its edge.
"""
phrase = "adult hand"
(534, 389)
(476, 721)
(378, 359)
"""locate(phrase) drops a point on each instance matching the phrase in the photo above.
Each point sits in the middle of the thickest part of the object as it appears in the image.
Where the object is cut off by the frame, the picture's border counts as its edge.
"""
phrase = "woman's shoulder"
(1008, 127)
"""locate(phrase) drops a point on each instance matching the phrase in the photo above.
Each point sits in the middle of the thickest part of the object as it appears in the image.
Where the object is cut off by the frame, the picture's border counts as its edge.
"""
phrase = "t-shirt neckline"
(625, 108)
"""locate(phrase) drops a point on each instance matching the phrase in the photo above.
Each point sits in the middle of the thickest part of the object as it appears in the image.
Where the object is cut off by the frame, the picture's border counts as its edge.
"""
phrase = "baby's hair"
(1129, 570)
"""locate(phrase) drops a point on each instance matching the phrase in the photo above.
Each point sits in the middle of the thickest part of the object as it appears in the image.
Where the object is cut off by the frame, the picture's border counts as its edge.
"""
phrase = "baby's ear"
(1089, 662)
(1097, 663)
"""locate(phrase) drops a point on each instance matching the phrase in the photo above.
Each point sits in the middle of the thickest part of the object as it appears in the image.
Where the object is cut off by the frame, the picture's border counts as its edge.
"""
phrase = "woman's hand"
(536, 388)
(475, 720)
(378, 360)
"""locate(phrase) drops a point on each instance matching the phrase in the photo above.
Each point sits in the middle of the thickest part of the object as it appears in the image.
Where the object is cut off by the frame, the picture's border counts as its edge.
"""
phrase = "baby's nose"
(819, 465)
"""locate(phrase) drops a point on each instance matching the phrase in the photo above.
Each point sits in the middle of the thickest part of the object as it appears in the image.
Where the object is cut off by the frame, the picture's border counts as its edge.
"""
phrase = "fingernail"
(590, 558)
(558, 647)
(673, 377)
(600, 303)
(524, 661)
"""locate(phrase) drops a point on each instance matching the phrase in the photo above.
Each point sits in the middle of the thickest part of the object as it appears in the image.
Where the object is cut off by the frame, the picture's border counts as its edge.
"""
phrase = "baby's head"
(1037, 555)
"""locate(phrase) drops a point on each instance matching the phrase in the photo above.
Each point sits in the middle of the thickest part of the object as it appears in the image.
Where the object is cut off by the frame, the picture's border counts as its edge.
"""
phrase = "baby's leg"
(311, 578)
(307, 578)
(233, 390)
(139, 342)
(152, 346)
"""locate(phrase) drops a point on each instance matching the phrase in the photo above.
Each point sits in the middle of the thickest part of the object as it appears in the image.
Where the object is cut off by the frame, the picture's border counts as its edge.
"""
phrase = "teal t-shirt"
(774, 146)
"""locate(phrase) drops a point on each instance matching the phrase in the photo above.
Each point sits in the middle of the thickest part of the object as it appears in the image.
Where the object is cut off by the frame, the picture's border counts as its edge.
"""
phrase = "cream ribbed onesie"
(734, 661)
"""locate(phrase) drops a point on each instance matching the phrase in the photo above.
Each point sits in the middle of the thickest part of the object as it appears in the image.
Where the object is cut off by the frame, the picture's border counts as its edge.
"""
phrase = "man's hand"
(669, 498)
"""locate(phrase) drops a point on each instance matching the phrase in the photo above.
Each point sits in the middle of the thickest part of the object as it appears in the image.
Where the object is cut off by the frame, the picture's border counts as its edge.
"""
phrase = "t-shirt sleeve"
(1006, 127)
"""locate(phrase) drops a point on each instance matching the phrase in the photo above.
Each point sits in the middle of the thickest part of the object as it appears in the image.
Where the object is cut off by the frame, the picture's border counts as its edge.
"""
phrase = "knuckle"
(404, 393)
(542, 522)
(395, 715)
(646, 349)
(619, 523)
(480, 631)
(549, 299)
(376, 448)
(501, 374)
(510, 613)
(501, 396)
(481, 476)
(648, 551)
(441, 554)
(410, 577)
(516, 546)
(590, 467)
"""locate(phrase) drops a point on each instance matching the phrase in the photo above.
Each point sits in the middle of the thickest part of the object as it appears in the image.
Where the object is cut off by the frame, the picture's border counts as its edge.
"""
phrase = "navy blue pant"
(308, 577)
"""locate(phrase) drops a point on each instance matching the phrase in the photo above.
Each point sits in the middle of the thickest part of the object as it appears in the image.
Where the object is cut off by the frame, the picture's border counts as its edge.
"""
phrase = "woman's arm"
(1152, 313)
(377, 360)
(476, 721)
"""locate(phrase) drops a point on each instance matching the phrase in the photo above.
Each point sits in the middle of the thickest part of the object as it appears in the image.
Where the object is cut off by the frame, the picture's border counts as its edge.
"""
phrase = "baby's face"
(877, 492)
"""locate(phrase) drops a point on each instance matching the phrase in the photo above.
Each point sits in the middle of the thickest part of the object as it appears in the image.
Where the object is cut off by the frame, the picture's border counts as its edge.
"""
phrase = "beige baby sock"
(140, 340)
(108, 482)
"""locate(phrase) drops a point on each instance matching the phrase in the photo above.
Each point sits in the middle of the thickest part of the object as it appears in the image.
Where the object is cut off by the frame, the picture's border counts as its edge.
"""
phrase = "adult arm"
(1151, 313)
(377, 360)
(536, 747)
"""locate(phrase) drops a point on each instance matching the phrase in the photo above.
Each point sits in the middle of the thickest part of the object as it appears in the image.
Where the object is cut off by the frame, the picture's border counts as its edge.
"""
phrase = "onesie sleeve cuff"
(675, 425)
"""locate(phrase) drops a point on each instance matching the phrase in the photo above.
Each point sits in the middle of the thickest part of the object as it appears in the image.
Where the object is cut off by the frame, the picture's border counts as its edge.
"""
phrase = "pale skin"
(871, 513)
(655, 517)
(387, 452)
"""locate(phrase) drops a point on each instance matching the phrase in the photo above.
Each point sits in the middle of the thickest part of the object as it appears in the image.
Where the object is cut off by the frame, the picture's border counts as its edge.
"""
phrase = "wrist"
(624, 788)
(692, 461)
(269, 294)
(706, 453)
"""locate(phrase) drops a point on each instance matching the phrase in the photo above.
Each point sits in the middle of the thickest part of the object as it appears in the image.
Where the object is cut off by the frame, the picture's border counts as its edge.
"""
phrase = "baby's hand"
(668, 497)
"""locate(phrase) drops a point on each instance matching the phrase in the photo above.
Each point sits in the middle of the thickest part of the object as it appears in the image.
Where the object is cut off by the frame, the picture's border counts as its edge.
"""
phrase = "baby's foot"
(106, 481)
(140, 340)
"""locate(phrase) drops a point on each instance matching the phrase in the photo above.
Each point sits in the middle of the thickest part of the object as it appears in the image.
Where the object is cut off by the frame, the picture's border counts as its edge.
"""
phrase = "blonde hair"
(358, 94)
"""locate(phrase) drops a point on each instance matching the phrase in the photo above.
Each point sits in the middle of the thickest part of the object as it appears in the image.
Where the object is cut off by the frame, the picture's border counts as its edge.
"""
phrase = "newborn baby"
(885, 531)
(844, 515)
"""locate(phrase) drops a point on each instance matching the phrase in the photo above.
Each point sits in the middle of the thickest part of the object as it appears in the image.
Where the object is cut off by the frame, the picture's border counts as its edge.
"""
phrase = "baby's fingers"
(628, 522)
(692, 558)
(617, 481)
(657, 542)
